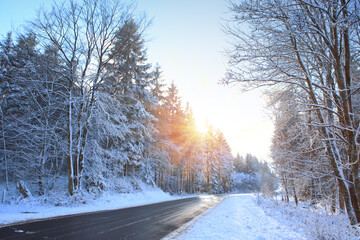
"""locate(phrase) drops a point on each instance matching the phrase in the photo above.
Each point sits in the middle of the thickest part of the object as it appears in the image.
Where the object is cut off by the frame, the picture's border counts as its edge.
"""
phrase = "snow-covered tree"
(83, 34)
(131, 80)
(226, 164)
(31, 114)
(79, 99)
(309, 45)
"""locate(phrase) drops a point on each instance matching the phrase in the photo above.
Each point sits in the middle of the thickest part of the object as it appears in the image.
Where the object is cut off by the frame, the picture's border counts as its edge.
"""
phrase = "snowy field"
(29, 209)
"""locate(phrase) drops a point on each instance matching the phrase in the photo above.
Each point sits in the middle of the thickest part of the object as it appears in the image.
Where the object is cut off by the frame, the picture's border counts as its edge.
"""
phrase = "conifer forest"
(83, 111)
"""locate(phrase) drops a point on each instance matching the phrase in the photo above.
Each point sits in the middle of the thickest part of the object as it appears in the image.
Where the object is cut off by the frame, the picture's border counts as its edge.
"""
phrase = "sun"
(202, 125)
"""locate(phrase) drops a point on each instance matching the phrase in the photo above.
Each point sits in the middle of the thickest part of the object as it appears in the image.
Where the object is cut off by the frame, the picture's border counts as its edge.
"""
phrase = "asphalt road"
(153, 221)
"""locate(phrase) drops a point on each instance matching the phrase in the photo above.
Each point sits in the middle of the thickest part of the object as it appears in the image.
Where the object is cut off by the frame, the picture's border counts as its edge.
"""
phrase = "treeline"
(79, 100)
(307, 53)
(186, 160)
(253, 175)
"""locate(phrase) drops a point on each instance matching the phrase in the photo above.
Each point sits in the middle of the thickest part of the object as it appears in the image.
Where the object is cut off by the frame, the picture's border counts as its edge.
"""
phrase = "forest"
(306, 54)
(82, 111)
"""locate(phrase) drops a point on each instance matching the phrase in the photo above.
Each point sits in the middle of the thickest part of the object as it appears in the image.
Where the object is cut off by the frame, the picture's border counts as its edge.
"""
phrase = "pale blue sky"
(187, 41)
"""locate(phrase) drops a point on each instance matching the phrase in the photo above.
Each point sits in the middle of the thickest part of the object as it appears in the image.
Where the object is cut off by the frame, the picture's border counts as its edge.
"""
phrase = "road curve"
(152, 221)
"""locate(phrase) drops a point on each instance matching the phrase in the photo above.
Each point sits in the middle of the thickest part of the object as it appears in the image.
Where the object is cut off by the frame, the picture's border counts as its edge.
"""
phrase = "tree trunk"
(294, 191)
(70, 150)
(341, 201)
(286, 189)
(334, 197)
(23, 189)
(352, 213)
(3, 199)
(4, 144)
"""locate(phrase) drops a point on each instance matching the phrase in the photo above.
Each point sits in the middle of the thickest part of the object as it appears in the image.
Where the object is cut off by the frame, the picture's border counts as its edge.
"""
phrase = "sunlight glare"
(201, 124)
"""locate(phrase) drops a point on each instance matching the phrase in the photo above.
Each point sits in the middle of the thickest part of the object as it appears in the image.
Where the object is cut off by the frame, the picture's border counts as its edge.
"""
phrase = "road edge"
(185, 227)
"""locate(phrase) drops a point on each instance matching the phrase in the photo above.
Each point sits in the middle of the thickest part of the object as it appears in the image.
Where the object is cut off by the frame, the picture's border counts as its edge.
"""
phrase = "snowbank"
(316, 222)
(238, 217)
(28, 209)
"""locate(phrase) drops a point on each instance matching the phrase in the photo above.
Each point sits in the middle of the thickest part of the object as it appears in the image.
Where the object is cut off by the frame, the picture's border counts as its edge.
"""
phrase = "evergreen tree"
(130, 80)
(31, 111)
(226, 164)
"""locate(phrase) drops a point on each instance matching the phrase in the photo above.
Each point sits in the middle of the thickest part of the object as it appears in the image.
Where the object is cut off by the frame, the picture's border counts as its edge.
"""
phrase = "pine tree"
(31, 111)
(130, 80)
(226, 165)
(172, 134)
(211, 161)
(156, 155)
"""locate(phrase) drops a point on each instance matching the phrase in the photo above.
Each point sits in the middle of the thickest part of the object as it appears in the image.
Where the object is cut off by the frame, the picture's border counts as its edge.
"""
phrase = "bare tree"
(306, 44)
(83, 33)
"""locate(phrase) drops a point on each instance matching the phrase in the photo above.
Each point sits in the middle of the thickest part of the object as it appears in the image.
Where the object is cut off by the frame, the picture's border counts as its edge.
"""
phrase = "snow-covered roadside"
(30, 209)
(239, 217)
(316, 222)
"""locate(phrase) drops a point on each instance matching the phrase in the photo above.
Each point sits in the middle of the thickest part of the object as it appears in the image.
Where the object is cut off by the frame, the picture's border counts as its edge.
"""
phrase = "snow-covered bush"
(315, 221)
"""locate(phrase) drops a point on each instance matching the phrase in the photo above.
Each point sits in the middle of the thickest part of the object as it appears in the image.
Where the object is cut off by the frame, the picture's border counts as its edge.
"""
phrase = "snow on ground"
(242, 216)
(238, 217)
(315, 220)
(29, 209)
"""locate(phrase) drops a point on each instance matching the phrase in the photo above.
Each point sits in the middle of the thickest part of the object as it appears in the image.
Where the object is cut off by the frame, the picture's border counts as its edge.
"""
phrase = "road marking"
(125, 225)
